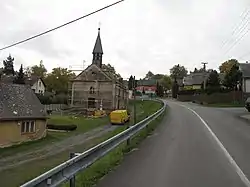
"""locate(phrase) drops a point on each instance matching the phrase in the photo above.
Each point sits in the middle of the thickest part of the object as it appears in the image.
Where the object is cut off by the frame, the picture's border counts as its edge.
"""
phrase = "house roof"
(195, 78)
(19, 102)
(150, 82)
(245, 69)
(98, 44)
(33, 79)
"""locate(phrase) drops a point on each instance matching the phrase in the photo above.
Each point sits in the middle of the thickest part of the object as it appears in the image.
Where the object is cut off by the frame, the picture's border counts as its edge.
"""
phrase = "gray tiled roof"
(245, 69)
(18, 102)
(150, 82)
(196, 78)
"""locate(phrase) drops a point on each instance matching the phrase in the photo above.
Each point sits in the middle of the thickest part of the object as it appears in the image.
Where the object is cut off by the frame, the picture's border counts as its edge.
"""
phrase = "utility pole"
(134, 90)
(204, 65)
(204, 68)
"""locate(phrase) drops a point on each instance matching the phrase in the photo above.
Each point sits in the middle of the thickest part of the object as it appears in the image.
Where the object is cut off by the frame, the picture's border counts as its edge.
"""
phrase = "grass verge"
(225, 105)
(103, 166)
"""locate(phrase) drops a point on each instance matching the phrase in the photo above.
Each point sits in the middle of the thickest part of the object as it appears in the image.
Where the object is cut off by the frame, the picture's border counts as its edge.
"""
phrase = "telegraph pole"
(134, 90)
(204, 65)
(204, 68)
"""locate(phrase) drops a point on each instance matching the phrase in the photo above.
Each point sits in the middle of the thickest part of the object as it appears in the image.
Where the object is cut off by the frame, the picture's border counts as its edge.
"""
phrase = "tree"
(143, 91)
(20, 76)
(166, 82)
(37, 70)
(149, 75)
(213, 79)
(175, 89)
(110, 69)
(157, 76)
(178, 72)
(226, 66)
(198, 70)
(233, 78)
(58, 80)
(159, 90)
(130, 82)
(9, 66)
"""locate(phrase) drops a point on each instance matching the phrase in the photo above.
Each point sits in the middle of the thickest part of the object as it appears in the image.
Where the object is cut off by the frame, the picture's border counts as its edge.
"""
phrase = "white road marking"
(229, 157)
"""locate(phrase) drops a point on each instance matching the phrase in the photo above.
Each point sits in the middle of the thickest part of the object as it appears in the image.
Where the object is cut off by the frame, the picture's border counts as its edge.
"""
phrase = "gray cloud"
(137, 36)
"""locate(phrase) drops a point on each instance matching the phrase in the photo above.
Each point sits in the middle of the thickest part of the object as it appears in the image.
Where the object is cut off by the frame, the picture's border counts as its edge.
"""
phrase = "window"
(28, 127)
(39, 83)
(92, 90)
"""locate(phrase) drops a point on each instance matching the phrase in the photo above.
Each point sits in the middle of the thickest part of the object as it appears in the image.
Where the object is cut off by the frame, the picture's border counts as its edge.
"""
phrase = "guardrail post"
(72, 182)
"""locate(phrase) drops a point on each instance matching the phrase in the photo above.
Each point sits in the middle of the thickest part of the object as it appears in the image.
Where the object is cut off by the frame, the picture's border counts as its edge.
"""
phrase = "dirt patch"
(53, 148)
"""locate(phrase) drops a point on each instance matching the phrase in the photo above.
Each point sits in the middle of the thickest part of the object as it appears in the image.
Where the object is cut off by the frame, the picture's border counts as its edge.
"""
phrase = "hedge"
(69, 127)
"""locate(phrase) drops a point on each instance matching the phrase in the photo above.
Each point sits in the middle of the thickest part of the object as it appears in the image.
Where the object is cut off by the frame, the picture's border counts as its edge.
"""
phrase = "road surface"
(194, 146)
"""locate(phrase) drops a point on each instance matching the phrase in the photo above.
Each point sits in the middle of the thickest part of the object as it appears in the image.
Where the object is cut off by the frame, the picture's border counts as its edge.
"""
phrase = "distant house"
(37, 84)
(149, 86)
(245, 69)
(194, 81)
(22, 116)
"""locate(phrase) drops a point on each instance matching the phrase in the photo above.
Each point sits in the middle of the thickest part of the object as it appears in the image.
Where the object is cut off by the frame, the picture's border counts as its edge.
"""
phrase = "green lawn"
(83, 125)
(32, 169)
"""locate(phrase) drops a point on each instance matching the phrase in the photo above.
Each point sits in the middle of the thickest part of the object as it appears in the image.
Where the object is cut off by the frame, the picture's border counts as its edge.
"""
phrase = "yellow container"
(119, 117)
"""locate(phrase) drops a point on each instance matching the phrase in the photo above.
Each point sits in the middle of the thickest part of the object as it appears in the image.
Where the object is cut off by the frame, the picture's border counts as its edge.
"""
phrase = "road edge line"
(241, 174)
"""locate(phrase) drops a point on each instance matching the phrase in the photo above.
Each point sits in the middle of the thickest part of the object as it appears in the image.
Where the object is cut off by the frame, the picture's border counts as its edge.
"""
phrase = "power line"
(245, 13)
(241, 29)
(237, 41)
(50, 30)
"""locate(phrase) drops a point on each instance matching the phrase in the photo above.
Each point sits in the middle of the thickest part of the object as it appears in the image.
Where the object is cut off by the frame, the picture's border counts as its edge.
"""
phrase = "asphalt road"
(185, 152)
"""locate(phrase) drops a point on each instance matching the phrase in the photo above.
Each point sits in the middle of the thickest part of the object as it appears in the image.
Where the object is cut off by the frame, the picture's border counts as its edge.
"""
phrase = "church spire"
(97, 51)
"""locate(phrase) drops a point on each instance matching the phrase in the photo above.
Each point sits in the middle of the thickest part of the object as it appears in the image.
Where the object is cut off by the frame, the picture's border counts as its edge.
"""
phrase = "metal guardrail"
(70, 168)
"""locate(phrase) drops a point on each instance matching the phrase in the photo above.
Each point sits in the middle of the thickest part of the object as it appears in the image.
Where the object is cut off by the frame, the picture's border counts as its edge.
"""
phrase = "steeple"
(97, 51)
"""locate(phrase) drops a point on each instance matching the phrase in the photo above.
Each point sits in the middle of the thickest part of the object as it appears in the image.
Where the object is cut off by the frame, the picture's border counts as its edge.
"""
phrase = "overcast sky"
(137, 35)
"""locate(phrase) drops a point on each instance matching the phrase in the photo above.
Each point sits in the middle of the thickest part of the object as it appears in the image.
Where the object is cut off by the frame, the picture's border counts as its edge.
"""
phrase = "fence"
(233, 96)
(67, 170)
(54, 107)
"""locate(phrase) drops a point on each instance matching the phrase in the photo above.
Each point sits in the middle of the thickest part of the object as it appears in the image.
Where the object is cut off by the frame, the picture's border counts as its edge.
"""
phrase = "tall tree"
(213, 79)
(149, 75)
(198, 70)
(178, 72)
(157, 76)
(9, 66)
(226, 66)
(110, 69)
(233, 77)
(58, 80)
(130, 82)
(143, 91)
(38, 70)
(166, 82)
(159, 90)
(20, 76)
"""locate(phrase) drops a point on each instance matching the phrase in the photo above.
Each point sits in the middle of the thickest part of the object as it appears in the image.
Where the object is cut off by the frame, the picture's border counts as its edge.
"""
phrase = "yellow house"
(22, 116)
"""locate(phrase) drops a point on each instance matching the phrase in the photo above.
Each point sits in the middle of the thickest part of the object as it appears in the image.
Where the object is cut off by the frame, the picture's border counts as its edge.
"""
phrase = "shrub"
(69, 127)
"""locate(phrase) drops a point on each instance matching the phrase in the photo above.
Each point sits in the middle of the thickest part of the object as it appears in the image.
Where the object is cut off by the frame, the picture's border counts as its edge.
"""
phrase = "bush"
(44, 99)
(70, 127)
